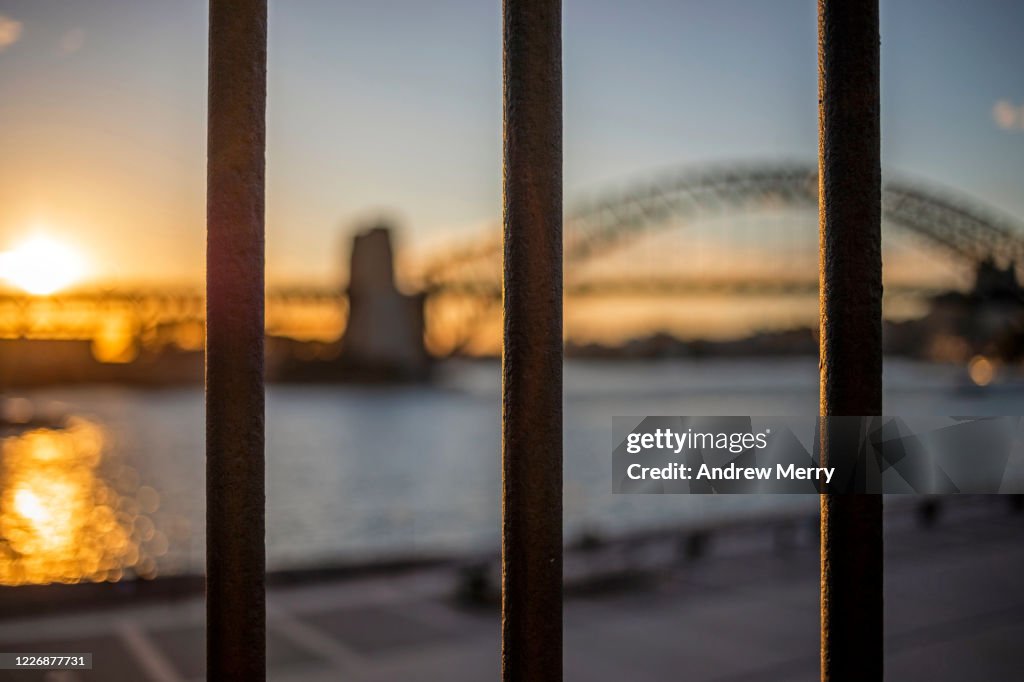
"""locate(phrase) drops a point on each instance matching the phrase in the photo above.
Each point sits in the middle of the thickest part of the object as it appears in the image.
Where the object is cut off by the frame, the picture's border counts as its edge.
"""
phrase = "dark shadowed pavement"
(747, 610)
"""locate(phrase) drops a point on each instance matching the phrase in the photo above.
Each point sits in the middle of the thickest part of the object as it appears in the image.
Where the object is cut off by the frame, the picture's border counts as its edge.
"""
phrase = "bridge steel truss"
(946, 223)
(965, 230)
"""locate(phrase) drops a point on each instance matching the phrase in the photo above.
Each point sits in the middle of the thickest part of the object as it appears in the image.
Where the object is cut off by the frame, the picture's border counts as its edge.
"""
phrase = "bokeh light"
(67, 515)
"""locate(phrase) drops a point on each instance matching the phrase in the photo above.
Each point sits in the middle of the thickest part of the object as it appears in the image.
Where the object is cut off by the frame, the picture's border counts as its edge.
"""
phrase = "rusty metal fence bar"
(532, 344)
(235, 598)
(849, 197)
(851, 362)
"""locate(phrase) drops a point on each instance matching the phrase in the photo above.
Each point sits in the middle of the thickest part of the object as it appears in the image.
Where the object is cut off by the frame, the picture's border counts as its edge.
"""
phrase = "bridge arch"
(464, 284)
(967, 231)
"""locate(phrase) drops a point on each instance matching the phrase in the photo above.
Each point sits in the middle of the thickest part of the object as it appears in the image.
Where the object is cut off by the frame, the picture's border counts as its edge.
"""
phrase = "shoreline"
(593, 562)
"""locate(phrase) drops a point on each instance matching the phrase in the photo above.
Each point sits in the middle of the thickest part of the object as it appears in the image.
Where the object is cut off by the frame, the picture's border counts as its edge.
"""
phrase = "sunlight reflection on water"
(70, 513)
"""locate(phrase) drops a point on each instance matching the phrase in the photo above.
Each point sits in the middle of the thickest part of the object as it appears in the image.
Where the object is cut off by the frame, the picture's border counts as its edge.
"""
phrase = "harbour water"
(357, 473)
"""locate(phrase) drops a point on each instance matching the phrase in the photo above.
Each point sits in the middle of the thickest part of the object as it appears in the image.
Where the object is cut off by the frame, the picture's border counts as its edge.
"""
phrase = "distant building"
(987, 320)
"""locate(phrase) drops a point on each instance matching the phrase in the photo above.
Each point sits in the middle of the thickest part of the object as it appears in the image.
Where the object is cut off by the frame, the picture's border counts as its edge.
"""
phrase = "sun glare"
(41, 265)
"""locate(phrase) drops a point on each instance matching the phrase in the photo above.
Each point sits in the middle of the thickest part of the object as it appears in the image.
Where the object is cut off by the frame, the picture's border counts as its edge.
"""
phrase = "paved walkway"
(747, 611)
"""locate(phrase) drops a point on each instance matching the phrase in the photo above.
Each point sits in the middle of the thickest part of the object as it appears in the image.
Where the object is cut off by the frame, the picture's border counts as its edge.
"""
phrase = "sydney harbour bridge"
(952, 235)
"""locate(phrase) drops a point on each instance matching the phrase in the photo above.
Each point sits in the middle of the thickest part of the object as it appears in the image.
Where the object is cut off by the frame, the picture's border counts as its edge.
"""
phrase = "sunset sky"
(395, 107)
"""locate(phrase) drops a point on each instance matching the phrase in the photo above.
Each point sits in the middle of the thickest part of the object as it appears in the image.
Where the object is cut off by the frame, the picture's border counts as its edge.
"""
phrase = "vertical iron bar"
(235, 599)
(849, 193)
(532, 344)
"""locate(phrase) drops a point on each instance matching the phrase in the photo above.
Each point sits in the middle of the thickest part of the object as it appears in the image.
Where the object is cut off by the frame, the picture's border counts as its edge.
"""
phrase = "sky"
(393, 108)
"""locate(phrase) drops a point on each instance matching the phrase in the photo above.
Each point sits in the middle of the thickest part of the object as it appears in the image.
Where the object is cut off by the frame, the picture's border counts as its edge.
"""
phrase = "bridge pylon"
(384, 335)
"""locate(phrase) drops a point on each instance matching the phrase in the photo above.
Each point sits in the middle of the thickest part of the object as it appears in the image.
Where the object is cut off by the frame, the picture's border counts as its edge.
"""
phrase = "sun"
(41, 265)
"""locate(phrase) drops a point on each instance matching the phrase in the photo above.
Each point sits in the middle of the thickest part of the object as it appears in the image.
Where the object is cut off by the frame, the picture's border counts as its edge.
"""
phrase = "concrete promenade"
(747, 610)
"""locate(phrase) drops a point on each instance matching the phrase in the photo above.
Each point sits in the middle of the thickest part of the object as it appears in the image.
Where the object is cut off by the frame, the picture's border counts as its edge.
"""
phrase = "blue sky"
(394, 106)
